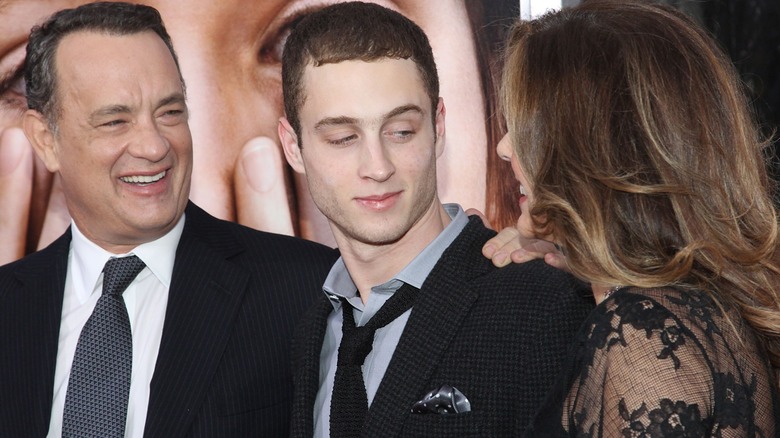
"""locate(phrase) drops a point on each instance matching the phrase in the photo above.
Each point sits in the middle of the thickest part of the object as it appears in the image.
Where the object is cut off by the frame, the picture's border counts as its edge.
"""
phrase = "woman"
(637, 155)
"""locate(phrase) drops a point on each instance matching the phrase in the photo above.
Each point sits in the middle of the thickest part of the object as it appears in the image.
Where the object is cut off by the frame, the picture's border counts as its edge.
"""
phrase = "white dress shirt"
(146, 299)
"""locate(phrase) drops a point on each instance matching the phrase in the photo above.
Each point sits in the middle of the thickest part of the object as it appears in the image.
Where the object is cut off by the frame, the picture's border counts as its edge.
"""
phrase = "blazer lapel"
(444, 301)
(36, 323)
(204, 299)
(306, 367)
(434, 320)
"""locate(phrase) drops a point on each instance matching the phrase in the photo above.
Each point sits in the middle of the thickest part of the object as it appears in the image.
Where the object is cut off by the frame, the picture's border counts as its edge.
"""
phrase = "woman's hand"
(508, 246)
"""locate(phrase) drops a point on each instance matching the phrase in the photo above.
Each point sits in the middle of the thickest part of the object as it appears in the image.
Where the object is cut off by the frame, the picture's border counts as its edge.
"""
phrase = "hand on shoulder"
(508, 246)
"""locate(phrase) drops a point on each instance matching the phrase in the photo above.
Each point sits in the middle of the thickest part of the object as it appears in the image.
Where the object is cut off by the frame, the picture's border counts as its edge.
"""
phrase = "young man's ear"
(290, 145)
(39, 134)
(439, 126)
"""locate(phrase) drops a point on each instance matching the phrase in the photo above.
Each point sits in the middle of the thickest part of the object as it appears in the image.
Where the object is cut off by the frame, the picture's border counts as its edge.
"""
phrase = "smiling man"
(193, 340)
(416, 334)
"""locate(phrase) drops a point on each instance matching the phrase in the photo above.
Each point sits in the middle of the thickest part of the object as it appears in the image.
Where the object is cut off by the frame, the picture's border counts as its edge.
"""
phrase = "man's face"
(122, 146)
(368, 148)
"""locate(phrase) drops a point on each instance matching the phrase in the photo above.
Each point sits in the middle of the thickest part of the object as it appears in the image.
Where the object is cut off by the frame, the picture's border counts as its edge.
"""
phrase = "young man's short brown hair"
(352, 31)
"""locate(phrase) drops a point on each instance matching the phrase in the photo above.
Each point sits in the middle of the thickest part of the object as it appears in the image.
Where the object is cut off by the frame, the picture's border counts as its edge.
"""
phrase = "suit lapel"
(37, 315)
(444, 301)
(437, 323)
(204, 299)
(306, 368)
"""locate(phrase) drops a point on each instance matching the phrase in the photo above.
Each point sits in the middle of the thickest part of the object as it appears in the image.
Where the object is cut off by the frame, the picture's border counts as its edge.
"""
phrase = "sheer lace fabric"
(662, 363)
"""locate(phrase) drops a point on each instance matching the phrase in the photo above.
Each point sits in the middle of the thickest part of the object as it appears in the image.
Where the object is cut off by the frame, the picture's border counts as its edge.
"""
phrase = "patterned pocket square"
(444, 400)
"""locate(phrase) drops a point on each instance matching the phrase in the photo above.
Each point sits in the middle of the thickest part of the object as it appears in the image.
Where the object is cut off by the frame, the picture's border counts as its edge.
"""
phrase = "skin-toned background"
(229, 52)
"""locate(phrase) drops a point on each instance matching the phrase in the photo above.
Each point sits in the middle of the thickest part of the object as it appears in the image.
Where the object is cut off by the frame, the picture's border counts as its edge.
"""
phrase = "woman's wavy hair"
(643, 155)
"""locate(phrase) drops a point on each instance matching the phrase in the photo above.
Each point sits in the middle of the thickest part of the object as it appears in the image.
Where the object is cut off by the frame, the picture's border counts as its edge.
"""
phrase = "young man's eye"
(343, 140)
(401, 134)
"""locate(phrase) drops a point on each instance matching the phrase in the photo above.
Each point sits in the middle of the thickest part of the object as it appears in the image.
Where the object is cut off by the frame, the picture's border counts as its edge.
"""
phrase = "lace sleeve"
(660, 363)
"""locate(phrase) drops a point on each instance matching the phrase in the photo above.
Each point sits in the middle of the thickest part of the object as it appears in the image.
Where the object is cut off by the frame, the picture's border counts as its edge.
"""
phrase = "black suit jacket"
(500, 336)
(223, 366)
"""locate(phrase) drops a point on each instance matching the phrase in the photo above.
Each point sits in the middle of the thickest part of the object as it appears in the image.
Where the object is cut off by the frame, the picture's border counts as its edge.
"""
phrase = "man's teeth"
(143, 179)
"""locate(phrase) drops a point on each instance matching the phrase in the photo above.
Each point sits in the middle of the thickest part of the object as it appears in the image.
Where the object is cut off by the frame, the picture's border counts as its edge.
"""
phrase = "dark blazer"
(223, 366)
(500, 336)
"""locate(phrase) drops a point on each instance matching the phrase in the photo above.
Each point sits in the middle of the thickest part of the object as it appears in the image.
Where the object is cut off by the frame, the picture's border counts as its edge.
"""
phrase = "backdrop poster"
(229, 52)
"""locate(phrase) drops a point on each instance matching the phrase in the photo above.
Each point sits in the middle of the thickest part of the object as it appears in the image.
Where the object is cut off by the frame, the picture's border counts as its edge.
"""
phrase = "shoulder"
(680, 329)
(534, 299)
(533, 287)
(40, 260)
(652, 350)
(464, 260)
(655, 308)
(534, 273)
(279, 243)
(535, 280)
(677, 318)
(43, 267)
(264, 246)
(647, 311)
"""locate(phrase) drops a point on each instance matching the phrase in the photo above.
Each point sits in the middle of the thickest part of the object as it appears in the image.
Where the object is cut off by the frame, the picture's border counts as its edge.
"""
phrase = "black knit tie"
(99, 385)
(349, 404)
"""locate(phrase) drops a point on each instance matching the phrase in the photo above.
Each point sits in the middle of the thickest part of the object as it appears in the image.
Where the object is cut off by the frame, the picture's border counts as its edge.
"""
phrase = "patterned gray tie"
(99, 385)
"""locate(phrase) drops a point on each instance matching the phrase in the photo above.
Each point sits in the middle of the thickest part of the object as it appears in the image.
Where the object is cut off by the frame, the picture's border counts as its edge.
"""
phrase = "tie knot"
(358, 344)
(118, 273)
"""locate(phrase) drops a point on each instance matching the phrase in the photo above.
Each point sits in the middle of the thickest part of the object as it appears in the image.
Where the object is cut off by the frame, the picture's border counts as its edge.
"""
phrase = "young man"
(417, 334)
(197, 342)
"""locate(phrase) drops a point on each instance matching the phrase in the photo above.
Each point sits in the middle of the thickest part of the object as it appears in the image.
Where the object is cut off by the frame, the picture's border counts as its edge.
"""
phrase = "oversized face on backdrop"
(229, 53)
(122, 148)
(368, 147)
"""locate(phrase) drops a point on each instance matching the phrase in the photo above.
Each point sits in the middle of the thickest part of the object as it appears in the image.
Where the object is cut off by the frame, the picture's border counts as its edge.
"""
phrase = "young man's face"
(368, 147)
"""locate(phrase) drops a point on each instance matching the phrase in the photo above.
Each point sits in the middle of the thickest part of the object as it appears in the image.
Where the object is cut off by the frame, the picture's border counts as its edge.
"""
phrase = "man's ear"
(292, 150)
(439, 126)
(40, 136)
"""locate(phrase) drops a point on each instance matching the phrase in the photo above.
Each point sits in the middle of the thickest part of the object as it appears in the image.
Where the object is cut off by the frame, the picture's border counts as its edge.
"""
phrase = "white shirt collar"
(88, 258)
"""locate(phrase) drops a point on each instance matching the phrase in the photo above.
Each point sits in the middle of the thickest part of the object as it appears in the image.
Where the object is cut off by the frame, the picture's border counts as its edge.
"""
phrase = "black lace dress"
(663, 363)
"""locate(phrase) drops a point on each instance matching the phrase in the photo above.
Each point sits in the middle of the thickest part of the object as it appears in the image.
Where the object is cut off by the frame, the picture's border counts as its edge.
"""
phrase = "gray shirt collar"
(339, 283)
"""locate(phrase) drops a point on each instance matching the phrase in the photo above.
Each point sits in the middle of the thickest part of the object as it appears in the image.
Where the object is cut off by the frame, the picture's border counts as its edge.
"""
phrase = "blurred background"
(749, 31)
